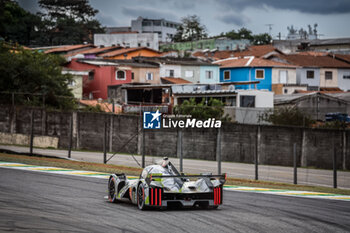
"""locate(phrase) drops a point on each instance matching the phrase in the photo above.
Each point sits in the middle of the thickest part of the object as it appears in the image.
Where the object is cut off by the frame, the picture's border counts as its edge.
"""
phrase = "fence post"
(105, 143)
(179, 148)
(31, 132)
(218, 150)
(143, 146)
(257, 142)
(70, 136)
(334, 167)
(295, 162)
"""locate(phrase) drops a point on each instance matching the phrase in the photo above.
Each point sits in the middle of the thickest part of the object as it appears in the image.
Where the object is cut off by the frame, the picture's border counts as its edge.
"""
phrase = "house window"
(208, 74)
(346, 76)
(149, 76)
(227, 75)
(91, 75)
(148, 44)
(189, 73)
(132, 75)
(120, 75)
(247, 101)
(259, 74)
(310, 74)
(329, 75)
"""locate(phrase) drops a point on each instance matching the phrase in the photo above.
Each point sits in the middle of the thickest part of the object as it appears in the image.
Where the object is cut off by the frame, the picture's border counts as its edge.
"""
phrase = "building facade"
(211, 44)
(164, 29)
(128, 40)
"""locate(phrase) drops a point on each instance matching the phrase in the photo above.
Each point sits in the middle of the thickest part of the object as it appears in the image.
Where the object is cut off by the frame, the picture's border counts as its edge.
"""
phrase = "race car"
(161, 185)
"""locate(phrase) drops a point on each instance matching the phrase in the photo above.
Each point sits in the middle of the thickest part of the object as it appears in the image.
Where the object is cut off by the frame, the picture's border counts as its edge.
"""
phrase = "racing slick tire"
(141, 197)
(112, 196)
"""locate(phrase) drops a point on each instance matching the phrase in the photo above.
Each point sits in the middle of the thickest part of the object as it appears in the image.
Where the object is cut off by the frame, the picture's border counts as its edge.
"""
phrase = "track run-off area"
(49, 199)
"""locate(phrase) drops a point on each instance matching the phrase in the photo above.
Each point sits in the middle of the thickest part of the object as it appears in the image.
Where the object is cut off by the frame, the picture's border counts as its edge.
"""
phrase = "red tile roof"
(170, 80)
(343, 57)
(251, 62)
(68, 48)
(314, 61)
(123, 51)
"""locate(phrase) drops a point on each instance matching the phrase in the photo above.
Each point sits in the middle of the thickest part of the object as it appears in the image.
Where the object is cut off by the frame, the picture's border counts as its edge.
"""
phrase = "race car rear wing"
(222, 178)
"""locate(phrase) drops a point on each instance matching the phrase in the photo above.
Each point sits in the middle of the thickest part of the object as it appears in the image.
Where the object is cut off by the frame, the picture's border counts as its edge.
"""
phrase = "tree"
(287, 116)
(261, 39)
(190, 30)
(18, 25)
(213, 109)
(70, 22)
(34, 75)
(244, 33)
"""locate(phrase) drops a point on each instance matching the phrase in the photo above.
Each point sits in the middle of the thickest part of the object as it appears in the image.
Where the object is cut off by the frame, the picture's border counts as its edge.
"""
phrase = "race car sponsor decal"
(281, 192)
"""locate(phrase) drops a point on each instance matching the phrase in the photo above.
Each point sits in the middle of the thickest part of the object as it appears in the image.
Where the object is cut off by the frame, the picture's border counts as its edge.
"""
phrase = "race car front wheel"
(111, 190)
(141, 197)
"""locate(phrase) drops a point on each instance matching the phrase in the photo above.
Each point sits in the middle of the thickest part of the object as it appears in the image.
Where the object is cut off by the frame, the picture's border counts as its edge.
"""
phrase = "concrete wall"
(191, 73)
(239, 142)
(328, 82)
(302, 78)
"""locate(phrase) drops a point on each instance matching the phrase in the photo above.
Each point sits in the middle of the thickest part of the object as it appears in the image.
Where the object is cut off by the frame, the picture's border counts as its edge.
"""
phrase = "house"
(314, 104)
(76, 84)
(128, 40)
(190, 69)
(267, 72)
(318, 71)
(102, 74)
(129, 53)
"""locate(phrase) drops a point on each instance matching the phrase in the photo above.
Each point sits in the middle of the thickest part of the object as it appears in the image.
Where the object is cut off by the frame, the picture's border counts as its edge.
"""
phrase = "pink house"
(101, 74)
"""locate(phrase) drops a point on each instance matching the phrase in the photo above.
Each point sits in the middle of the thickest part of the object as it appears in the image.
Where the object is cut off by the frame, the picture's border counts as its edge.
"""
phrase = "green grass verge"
(109, 168)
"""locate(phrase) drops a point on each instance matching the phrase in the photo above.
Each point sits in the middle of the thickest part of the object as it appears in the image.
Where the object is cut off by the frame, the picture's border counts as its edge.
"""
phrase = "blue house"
(250, 69)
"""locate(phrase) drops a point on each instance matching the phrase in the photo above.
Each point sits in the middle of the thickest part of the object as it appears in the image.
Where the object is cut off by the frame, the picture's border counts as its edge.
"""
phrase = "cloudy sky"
(332, 16)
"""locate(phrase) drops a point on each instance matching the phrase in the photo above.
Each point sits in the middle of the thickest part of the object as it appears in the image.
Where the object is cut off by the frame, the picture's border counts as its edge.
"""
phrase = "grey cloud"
(148, 13)
(106, 20)
(233, 18)
(29, 5)
(306, 6)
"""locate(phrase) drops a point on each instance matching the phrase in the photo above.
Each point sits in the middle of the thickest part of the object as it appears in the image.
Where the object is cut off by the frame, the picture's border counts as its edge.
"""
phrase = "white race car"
(161, 185)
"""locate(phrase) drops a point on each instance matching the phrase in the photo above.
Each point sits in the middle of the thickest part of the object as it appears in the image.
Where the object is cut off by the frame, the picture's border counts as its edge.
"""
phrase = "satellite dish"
(231, 88)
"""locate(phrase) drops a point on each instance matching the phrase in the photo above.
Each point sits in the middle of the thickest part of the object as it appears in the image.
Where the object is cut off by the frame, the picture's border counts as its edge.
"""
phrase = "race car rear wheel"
(141, 197)
(112, 196)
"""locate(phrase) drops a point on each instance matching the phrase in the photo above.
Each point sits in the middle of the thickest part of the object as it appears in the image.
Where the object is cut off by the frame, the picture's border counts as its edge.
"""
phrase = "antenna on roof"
(270, 27)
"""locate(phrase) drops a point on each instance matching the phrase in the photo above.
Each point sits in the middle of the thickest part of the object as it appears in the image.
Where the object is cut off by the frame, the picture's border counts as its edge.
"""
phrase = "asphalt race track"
(41, 202)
